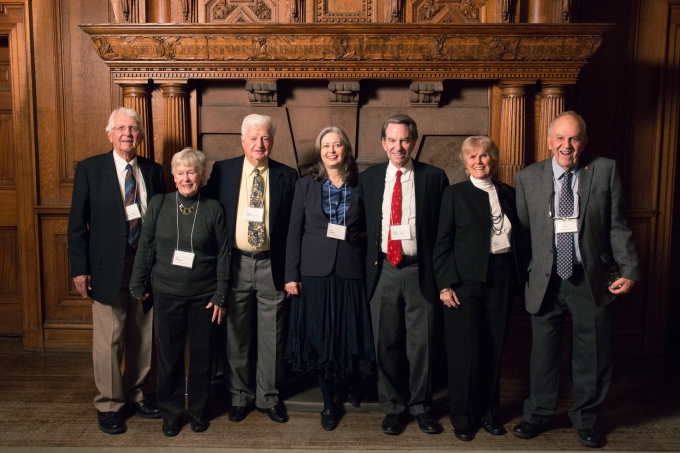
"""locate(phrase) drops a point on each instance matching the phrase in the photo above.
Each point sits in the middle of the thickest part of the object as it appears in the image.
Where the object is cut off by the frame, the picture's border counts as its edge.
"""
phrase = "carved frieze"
(328, 51)
(262, 93)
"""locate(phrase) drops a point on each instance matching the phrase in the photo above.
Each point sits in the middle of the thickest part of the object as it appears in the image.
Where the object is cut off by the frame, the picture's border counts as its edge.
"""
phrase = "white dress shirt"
(141, 187)
(488, 186)
(409, 247)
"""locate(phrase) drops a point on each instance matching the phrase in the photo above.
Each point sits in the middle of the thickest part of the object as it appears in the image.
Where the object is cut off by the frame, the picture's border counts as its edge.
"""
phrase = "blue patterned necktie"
(132, 197)
(565, 241)
(256, 231)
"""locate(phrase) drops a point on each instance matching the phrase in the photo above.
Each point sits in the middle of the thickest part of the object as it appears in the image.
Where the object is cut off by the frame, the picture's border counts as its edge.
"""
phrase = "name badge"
(336, 231)
(132, 212)
(566, 225)
(500, 242)
(254, 214)
(400, 232)
(183, 259)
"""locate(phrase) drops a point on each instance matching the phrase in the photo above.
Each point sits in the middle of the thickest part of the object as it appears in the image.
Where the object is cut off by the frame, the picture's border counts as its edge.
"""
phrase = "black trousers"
(475, 333)
(173, 317)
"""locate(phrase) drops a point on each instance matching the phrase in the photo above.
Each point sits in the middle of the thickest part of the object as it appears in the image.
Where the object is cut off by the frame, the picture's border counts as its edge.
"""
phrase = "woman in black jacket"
(476, 270)
(330, 329)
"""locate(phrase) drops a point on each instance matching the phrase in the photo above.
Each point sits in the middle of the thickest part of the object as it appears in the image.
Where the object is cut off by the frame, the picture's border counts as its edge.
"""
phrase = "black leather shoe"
(391, 424)
(526, 430)
(171, 428)
(199, 424)
(427, 424)
(110, 422)
(328, 420)
(493, 428)
(145, 409)
(238, 413)
(589, 438)
(276, 413)
(464, 434)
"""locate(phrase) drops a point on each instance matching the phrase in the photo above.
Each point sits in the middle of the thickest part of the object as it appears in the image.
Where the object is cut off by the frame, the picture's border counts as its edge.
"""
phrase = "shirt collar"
(122, 163)
(406, 171)
(558, 171)
(248, 167)
(327, 183)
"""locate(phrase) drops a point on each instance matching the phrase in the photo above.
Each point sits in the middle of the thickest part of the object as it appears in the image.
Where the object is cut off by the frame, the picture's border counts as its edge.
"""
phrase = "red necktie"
(394, 247)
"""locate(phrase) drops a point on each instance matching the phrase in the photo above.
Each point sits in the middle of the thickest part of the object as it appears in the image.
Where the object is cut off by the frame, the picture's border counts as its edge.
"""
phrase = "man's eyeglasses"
(134, 129)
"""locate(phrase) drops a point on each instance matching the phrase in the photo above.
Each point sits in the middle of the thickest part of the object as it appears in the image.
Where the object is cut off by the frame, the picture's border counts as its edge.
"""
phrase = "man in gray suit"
(572, 208)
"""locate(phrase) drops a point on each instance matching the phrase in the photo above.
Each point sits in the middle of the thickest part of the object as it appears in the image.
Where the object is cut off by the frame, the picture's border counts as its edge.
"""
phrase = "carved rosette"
(344, 93)
(175, 123)
(136, 96)
(552, 104)
(426, 94)
(262, 93)
(511, 146)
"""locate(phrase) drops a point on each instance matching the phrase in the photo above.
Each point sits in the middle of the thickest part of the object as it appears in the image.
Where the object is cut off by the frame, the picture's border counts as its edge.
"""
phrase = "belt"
(254, 255)
(405, 260)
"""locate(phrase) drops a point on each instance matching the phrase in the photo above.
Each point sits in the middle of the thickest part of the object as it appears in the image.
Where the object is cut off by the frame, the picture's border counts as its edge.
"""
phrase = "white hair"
(132, 113)
(255, 120)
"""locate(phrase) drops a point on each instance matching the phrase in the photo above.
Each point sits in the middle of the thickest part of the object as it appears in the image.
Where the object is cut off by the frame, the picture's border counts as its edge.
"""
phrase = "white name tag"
(132, 212)
(336, 231)
(500, 242)
(254, 214)
(184, 259)
(566, 225)
(400, 232)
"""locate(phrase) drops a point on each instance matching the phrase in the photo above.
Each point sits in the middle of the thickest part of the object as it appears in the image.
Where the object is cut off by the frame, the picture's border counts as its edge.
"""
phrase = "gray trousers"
(401, 315)
(591, 356)
(254, 302)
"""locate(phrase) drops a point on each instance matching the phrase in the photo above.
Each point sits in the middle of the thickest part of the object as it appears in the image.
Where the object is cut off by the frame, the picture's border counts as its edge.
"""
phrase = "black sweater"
(158, 241)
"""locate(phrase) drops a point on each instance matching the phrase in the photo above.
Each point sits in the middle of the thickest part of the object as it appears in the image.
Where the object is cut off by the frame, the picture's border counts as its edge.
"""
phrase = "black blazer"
(309, 251)
(430, 183)
(464, 233)
(97, 230)
(224, 185)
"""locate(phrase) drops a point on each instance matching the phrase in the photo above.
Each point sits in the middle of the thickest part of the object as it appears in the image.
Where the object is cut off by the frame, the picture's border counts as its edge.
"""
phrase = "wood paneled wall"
(62, 93)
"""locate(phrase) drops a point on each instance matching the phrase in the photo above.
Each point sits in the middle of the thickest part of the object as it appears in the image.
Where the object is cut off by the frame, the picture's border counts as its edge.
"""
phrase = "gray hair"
(349, 169)
(255, 120)
(576, 116)
(484, 143)
(401, 119)
(189, 157)
(132, 113)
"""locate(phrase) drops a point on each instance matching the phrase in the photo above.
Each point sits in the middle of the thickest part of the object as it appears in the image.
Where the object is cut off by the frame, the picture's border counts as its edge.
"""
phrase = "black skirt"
(330, 328)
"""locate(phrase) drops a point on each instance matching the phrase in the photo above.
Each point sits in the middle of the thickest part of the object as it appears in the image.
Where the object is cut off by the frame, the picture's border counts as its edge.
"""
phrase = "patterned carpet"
(46, 406)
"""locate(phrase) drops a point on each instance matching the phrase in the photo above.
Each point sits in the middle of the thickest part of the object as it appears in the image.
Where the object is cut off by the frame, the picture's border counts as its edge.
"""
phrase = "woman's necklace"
(186, 211)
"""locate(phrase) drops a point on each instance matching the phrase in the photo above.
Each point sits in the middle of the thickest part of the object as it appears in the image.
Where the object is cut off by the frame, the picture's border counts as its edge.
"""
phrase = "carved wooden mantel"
(524, 53)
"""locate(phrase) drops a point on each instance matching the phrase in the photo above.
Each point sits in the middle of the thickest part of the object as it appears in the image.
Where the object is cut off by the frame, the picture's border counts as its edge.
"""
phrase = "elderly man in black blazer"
(402, 199)
(257, 195)
(110, 194)
(582, 256)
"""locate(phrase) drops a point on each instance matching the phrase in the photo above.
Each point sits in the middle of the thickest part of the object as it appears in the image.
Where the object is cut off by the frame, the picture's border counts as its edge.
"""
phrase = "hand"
(293, 289)
(144, 297)
(218, 312)
(449, 297)
(82, 283)
(621, 286)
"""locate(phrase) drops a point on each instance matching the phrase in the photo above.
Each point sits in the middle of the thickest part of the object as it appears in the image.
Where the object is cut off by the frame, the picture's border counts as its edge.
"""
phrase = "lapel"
(110, 179)
(144, 170)
(546, 186)
(585, 179)
(275, 189)
(420, 179)
(232, 178)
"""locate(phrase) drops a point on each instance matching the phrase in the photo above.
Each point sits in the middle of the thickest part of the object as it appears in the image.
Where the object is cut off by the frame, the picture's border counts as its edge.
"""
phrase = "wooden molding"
(390, 51)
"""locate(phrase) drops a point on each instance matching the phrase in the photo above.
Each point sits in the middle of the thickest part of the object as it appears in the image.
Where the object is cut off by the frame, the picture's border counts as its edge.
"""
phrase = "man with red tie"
(402, 200)
(110, 194)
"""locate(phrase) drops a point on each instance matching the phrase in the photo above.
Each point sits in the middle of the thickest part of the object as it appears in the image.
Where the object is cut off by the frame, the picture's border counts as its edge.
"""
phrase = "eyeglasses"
(134, 129)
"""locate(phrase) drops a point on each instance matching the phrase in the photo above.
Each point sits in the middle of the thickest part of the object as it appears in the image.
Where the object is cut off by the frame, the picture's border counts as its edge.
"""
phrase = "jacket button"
(547, 275)
(376, 263)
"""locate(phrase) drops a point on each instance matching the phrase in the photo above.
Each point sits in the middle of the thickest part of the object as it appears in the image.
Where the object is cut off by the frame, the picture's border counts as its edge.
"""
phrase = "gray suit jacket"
(603, 234)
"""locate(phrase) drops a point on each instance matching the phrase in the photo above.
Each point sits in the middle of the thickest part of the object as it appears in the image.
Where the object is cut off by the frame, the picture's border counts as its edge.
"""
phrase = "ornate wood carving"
(247, 11)
(552, 104)
(446, 11)
(426, 94)
(344, 93)
(357, 11)
(554, 53)
(511, 145)
(136, 96)
(262, 93)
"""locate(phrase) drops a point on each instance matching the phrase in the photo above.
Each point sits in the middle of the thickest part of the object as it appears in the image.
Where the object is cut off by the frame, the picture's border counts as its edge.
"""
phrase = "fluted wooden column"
(513, 114)
(158, 11)
(175, 124)
(539, 11)
(552, 104)
(136, 96)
